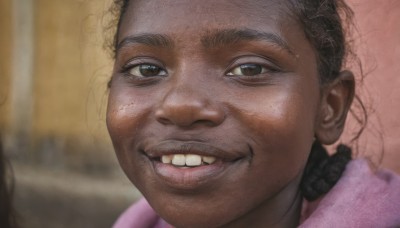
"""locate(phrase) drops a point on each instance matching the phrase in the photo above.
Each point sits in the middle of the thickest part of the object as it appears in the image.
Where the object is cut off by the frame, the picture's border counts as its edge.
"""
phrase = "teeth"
(179, 159)
(209, 160)
(188, 159)
(166, 159)
(193, 160)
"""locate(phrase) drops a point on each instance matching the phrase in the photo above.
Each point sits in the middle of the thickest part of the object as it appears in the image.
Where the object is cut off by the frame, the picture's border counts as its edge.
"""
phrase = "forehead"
(194, 16)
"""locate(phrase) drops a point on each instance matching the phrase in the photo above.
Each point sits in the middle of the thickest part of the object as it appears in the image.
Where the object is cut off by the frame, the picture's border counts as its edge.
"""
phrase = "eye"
(248, 69)
(147, 70)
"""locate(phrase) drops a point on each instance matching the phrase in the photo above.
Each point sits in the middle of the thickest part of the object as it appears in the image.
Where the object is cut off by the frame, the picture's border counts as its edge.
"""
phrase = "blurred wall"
(378, 46)
(5, 60)
(54, 98)
(71, 72)
(53, 75)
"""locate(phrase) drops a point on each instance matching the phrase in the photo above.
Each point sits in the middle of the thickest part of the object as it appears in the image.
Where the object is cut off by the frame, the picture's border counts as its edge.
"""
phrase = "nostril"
(205, 123)
(185, 107)
(164, 121)
(213, 116)
(163, 117)
(185, 116)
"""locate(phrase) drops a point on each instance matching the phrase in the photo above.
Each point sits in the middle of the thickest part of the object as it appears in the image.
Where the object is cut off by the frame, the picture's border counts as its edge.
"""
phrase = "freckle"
(123, 107)
(120, 110)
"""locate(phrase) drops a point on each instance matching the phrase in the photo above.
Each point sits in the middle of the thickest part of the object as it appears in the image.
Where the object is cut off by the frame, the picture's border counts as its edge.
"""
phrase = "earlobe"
(336, 100)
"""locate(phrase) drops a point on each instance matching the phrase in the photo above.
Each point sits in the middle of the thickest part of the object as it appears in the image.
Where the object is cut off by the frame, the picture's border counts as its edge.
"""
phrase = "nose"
(187, 107)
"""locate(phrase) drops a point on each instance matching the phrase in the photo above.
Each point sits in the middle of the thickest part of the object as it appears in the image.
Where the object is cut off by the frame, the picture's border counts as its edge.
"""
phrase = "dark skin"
(204, 76)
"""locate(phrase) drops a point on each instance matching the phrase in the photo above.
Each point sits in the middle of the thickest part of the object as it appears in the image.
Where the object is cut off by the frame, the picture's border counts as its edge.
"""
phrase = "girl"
(218, 111)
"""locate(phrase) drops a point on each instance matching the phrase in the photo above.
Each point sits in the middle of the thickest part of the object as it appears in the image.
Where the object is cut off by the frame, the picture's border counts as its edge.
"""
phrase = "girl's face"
(213, 108)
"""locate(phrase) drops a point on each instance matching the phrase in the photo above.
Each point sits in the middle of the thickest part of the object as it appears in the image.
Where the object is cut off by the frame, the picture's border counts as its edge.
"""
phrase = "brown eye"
(247, 70)
(147, 70)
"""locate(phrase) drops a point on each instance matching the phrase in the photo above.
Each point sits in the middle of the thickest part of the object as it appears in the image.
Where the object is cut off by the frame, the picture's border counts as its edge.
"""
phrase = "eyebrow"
(158, 40)
(232, 36)
(210, 40)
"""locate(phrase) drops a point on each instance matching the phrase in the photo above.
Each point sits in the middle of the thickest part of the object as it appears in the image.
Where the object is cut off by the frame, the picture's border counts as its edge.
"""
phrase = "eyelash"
(137, 78)
(239, 70)
(235, 72)
(138, 70)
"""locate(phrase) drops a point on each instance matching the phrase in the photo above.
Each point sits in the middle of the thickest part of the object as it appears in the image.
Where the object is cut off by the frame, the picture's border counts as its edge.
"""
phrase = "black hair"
(7, 214)
(326, 24)
(118, 9)
(323, 171)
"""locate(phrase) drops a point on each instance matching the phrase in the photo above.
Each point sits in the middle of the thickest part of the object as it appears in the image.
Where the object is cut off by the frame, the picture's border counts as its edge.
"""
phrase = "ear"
(336, 100)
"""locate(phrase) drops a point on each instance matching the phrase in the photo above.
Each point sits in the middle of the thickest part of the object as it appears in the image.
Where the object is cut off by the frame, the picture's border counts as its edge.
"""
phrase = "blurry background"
(53, 75)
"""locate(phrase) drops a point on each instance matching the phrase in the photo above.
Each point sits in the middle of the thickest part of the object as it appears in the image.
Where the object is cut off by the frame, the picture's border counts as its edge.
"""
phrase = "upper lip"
(171, 147)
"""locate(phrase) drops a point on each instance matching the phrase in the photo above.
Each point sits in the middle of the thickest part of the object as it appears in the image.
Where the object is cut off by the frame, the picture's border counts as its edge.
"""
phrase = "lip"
(191, 147)
(193, 178)
(188, 178)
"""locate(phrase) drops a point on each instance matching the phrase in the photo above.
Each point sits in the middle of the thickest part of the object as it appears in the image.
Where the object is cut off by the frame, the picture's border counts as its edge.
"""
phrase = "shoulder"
(140, 214)
(362, 197)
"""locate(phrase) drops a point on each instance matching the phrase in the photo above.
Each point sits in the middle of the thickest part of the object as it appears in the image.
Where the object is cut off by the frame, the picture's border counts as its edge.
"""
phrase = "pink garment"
(361, 198)
(140, 215)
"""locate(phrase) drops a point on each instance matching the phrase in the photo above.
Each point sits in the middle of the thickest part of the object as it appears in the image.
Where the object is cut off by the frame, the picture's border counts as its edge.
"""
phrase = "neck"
(281, 211)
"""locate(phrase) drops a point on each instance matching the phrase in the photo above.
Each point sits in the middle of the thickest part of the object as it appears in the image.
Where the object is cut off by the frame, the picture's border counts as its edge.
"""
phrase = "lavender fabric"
(361, 198)
(140, 215)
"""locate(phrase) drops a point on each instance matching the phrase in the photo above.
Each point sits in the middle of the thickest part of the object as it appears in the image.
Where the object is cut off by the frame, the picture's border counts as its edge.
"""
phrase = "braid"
(323, 171)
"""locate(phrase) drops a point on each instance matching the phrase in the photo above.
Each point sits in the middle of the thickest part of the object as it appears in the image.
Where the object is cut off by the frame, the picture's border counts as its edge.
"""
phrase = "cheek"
(127, 110)
(125, 115)
(280, 113)
(122, 115)
(281, 127)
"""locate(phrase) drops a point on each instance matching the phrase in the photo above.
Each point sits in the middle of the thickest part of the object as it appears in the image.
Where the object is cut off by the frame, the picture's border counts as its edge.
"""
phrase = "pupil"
(251, 69)
(149, 70)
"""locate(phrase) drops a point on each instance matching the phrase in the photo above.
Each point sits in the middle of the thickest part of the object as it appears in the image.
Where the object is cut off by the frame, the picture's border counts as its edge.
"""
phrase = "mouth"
(187, 160)
(190, 165)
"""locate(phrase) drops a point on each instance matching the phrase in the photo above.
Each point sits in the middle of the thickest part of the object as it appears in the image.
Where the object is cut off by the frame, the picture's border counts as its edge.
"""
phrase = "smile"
(188, 160)
(190, 165)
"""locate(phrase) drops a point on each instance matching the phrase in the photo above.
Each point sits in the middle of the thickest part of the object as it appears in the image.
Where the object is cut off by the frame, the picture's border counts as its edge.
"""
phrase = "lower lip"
(189, 178)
